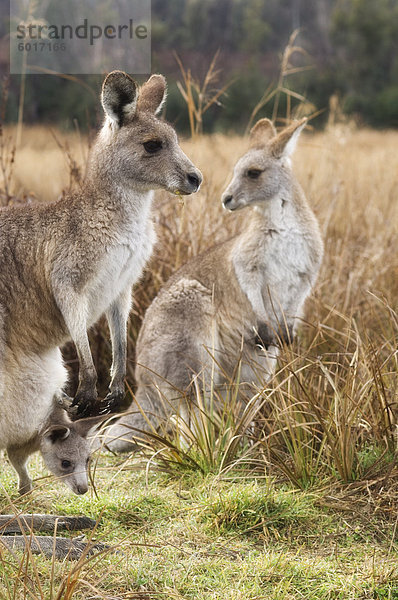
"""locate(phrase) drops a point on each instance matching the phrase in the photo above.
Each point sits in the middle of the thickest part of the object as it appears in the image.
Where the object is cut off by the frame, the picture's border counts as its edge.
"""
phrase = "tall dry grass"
(330, 411)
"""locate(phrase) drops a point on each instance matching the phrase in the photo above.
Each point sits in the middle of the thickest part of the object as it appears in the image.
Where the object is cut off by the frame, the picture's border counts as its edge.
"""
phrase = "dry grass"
(281, 89)
(42, 169)
(199, 97)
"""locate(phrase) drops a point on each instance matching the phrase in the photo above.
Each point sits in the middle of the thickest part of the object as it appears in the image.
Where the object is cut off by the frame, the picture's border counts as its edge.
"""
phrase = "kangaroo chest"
(274, 272)
(284, 259)
(119, 267)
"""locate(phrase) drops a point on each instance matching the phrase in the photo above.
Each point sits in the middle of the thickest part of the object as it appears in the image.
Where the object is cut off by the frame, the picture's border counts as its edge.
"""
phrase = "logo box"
(80, 36)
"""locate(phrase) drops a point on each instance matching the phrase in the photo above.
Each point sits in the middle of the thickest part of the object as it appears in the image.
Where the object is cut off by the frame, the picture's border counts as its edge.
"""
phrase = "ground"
(205, 537)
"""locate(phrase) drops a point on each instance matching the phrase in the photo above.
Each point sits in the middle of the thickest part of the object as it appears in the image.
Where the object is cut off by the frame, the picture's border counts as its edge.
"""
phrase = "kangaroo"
(62, 443)
(239, 300)
(64, 264)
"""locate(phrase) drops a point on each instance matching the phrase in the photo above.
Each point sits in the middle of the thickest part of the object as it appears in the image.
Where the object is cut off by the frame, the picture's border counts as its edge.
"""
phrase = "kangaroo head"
(135, 148)
(264, 174)
(66, 450)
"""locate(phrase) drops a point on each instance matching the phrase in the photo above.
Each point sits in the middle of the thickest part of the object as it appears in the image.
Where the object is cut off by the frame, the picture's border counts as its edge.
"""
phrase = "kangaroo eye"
(254, 173)
(153, 146)
(66, 464)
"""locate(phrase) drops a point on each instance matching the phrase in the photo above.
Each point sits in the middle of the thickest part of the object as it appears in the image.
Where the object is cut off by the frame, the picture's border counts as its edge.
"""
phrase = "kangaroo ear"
(285, 142)
(119, 97)
(56, 433)
(261, 133)
(83, 426)
(153, 94)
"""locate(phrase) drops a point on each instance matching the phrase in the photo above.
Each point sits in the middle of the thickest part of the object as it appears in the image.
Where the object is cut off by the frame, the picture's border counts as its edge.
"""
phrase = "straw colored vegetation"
(296, 499)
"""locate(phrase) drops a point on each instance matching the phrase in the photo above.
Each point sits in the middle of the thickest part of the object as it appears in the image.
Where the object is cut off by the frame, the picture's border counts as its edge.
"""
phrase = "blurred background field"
(349, 49)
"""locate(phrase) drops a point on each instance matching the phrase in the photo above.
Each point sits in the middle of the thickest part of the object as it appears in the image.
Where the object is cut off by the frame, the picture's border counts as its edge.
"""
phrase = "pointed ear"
(56, 433)
(153, 94)
(261, 133)
(83, 426)
(119, 97)
(285, 142)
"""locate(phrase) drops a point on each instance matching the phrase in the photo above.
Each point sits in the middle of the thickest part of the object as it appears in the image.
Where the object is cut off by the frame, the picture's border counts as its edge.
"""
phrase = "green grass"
(251, 507)
(201, 537)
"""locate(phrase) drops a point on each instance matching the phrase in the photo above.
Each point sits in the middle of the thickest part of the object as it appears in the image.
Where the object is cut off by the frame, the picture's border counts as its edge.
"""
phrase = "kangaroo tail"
(37, 522)
(70, 549)
(61, 548)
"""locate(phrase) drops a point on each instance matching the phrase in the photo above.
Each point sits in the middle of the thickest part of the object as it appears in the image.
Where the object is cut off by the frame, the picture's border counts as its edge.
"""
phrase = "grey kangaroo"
(237, 301)
(62, 443)
(64, 264)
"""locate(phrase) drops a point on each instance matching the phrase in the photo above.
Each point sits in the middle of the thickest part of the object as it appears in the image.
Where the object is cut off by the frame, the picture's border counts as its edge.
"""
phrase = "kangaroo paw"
(63, 400)
(83, 405)
(113, 402)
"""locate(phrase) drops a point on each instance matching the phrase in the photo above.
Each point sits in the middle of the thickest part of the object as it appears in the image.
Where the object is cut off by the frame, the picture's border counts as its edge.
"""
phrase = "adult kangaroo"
(64, 264)
(237, 301)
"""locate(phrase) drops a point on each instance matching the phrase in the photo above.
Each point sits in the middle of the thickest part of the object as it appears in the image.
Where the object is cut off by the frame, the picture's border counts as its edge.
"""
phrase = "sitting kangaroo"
(238, 300)
(64, 264)
(62, 443)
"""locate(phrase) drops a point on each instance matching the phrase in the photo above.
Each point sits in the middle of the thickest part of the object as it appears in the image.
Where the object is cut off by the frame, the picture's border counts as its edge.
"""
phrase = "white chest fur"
(273, 271)
(121, 264)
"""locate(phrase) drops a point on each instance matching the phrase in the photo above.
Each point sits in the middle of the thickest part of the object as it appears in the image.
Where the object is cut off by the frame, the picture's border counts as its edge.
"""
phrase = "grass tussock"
(253, 509)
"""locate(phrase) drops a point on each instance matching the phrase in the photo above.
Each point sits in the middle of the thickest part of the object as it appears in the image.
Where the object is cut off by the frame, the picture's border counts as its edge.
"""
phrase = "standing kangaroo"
(64, 264)
(239, 299)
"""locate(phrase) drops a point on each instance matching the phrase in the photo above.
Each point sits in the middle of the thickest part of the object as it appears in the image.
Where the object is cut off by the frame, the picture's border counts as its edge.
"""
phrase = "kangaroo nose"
(194, 180)
(227, 200)
(81, 489)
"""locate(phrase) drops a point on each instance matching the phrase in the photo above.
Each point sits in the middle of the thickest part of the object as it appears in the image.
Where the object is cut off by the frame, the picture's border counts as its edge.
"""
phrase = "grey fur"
(59, 440)
(60, 548)
(37, 522)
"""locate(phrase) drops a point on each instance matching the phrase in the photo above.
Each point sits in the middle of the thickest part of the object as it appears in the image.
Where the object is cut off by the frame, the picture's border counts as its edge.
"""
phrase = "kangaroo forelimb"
(265, 337)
